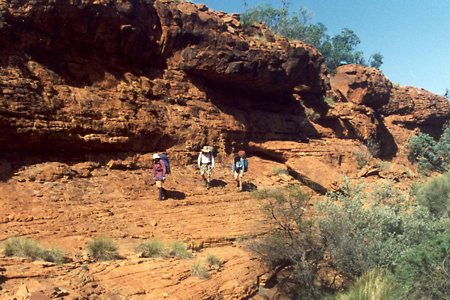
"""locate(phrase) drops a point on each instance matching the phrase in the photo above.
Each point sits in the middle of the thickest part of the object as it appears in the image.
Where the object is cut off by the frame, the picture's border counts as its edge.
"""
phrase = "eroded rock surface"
(89, 89)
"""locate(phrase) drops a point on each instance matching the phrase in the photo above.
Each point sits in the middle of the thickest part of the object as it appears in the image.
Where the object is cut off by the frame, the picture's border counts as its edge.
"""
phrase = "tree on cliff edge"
(337, 50)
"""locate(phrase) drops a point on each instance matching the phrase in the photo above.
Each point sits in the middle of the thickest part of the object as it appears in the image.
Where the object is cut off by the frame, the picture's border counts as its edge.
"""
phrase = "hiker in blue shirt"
(240, 165)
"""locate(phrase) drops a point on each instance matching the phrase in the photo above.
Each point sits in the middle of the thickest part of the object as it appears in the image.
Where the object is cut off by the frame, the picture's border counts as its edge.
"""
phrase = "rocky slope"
(88, 89)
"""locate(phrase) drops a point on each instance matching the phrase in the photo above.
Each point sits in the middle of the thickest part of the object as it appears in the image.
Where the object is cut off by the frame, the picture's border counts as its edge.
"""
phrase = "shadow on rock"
(218, 183)
(175, 195)
(249, 187)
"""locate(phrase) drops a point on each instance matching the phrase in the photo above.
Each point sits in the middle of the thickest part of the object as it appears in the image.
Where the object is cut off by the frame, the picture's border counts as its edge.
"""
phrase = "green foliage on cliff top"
(337, 50)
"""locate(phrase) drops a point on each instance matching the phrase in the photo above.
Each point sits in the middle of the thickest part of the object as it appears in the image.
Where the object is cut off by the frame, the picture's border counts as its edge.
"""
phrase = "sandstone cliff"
(89, 87)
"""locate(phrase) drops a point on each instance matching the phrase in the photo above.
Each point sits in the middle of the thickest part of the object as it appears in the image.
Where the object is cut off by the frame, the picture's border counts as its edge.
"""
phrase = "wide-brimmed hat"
(206, 149)
(155, 156)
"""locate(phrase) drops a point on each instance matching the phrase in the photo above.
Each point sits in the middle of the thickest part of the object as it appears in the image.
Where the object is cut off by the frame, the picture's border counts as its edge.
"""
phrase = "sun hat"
(206, 149)
(155, 156)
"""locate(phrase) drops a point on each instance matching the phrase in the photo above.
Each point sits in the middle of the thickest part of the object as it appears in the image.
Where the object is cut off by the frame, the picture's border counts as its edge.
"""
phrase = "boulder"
(314, 173)
(361, 85)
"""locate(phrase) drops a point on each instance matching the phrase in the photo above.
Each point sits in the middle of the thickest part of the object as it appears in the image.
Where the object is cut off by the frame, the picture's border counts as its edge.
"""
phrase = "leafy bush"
(375, 284)
(292, 243)
(329, 101)
(25, 247)
(435, 195)
(213, 260)
(199, 270)
(102, 248)
(359, 230)
(180, 250)
(384, 165)
(279, 170)
(151, 248)
(363, 156)
(429, 154)
(425, 269)
(55, 255)
(362, 231)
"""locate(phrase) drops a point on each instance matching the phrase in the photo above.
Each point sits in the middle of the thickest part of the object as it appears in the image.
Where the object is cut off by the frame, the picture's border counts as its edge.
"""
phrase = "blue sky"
(412, 35)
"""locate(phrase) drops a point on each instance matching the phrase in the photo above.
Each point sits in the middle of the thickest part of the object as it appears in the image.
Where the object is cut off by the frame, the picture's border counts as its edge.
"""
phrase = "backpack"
(165, 159)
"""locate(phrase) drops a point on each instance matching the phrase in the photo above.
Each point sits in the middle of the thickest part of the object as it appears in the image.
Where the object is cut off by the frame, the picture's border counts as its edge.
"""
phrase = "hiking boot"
(207, 185)
(240, 189)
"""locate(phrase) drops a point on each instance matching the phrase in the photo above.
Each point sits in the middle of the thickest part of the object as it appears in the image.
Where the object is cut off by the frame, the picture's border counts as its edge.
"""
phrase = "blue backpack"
(165, 159)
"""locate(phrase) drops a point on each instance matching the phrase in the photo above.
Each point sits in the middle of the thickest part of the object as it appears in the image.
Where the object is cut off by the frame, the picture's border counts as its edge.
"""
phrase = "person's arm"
(234, 165)
(212, 160)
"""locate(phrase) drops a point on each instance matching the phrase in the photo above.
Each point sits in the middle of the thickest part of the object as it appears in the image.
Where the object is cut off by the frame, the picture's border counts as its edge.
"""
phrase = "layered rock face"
(146, 75)
(372, 110)
(86, 84)
(151, 75)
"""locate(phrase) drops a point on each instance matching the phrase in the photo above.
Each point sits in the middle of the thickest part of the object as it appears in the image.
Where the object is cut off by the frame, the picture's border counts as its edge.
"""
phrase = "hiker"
(159, 173)
(165, 160)
(206, 164)
(240, 165)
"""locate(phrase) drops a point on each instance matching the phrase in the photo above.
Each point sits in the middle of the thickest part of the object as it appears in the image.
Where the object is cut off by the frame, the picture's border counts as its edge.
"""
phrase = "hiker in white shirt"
(206, 164)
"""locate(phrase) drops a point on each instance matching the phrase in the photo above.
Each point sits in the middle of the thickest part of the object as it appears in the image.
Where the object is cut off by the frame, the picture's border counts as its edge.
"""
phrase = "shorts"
(238, 173)
(206, 168)
(159, 178)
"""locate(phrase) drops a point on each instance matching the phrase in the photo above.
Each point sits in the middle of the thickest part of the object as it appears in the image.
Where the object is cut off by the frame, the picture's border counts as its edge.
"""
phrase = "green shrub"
(25, 247)
(102, 248)
(425, 269)
(429, 154)
(384, 165)
(199, 270)
(180, 250)
(279, 170)
(375, 284)
(362, 231)
(151, 248)
(292, 243)
(55, 255)
(329, 101)
(435, 195)
(363, 156)
(213, 260)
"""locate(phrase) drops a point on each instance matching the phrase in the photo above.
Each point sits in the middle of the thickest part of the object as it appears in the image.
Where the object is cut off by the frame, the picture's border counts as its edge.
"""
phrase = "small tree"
(429, 154)
(292, 244)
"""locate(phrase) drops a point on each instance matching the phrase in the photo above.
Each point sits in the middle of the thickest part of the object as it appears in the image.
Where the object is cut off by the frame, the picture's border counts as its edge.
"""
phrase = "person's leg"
(240, 180)
(159, 186)
(236, 178)
(163, 191)
(208, 176)
(203, 173)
